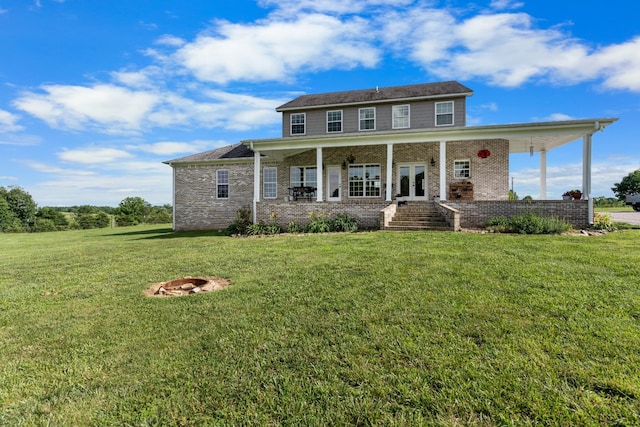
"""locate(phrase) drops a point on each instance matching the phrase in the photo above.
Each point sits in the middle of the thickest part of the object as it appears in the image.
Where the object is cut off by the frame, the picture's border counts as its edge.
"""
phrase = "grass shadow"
(168, 233)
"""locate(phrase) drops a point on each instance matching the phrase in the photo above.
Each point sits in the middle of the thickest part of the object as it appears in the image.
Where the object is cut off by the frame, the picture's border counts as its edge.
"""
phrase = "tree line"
(19, 213)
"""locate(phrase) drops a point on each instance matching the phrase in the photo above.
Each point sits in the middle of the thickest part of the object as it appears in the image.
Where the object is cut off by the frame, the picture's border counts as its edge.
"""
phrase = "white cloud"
(275, 50)
(109, 108)
(167, 148)
(332, 6)
(94, 155)
(8, 122)
(169, 40)
(555, 117)
(620, 65)
(506, 4)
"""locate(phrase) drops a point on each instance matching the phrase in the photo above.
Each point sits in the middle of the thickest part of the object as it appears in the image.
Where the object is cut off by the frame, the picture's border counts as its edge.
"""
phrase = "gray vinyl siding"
(422, 116)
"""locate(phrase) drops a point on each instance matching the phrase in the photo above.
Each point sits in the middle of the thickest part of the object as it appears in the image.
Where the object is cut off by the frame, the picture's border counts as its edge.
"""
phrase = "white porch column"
(389, 179)
(319, 175)
(543, 174)
(256, 184)
(586, 173)
(443, 170)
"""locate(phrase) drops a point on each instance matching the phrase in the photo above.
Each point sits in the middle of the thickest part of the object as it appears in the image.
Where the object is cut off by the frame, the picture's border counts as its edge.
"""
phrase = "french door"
(412, 181)
(334, 183)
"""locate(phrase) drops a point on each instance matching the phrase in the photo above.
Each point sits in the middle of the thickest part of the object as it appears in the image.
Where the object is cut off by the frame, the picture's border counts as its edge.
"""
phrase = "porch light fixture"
(433, 162)
(531, 148)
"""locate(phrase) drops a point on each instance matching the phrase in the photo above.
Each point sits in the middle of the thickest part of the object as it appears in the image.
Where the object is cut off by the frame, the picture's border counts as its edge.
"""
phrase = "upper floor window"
(444, 113)
(367, 118)
(462, 169)
(270, 183)
(334, 121)
(298, 123)
(400, 116)
(222, 184)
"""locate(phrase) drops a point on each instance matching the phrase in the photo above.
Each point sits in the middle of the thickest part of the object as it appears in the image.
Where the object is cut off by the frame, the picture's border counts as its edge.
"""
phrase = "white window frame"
(270, 182)
(371, 184)
(440, 114)
(462, 168)
(335, 121)
(366, 119)
(222, 180)
(397, 118)
(302, 123)
(305, 179)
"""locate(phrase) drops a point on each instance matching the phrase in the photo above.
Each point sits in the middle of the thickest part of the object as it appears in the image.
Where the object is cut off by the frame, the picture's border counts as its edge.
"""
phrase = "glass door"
(334, 183)
(412, 181)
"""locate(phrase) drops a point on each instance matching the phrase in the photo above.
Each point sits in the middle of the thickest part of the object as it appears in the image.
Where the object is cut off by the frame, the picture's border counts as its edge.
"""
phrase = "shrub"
(293, 227)
(603, 222)
(319, 223)
(344, 222)
(242, 222)
(528, 223)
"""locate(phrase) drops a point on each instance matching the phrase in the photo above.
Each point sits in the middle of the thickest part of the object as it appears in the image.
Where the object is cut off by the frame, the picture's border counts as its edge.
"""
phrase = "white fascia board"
(560, 132)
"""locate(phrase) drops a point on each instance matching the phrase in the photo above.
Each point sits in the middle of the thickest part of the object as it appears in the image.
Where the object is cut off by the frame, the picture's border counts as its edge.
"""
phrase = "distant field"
(376, 328)
(615, 209)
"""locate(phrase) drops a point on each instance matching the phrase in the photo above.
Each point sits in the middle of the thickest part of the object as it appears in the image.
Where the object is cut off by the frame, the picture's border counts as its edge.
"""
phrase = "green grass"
(373, 328)
(614, 209)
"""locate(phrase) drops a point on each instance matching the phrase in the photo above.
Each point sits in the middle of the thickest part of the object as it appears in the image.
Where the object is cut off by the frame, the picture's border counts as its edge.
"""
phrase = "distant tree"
(630, 184)
(132, 211)
(58, 221)
(21, 204)
(160, 215)
(9, 223)
(527, 197)
(513, 195)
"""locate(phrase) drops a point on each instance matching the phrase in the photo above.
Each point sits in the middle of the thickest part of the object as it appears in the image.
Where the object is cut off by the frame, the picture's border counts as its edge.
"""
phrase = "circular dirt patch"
(186, 286)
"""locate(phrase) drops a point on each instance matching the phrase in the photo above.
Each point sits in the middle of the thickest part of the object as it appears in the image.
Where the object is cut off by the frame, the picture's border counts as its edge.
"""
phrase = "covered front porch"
(430, 176)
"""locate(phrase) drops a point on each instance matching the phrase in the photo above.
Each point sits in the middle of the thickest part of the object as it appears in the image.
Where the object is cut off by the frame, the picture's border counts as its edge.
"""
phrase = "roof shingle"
(425, 90)
(235, 151)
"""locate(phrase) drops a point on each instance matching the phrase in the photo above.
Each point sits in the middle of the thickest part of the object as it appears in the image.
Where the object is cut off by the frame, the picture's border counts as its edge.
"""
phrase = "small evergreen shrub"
(293, 227)
(240, 225)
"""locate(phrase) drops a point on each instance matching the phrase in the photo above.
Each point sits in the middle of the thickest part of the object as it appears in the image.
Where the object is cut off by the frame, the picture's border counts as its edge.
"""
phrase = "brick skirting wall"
(474, 214)
(366, 212)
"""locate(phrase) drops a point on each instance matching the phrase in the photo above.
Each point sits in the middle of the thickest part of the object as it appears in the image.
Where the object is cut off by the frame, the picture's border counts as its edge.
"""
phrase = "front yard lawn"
(373, 328)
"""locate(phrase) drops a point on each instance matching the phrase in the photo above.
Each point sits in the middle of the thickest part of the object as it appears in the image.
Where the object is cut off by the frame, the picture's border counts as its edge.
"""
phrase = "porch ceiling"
(521, 136)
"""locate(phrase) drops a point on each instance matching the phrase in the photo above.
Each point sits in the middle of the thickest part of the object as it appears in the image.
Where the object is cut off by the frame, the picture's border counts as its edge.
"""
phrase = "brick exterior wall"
(195, 198)
(474, 214)
(198, 208)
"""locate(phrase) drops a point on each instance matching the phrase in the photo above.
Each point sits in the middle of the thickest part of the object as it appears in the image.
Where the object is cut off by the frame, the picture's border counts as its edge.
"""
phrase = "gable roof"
(235, 151)
(377, 95)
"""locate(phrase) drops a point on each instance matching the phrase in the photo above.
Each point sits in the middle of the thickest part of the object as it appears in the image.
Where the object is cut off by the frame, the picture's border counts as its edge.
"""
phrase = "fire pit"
(186, 286)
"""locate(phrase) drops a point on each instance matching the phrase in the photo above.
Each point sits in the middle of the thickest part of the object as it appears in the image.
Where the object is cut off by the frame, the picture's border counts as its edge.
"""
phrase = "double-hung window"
(270, 183)
(304, 176)
(364, 180)
(334, 121)
(222, 184)
(444, 113)
(400, 116)
(367, 118)
(298, 122)
(462, 168)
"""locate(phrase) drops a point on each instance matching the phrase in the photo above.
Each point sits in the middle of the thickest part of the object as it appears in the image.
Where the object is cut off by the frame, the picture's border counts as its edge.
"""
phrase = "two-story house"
(362, 152)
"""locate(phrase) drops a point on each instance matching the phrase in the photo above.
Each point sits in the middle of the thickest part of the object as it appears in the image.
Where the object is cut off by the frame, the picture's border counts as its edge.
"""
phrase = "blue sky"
(94, 95)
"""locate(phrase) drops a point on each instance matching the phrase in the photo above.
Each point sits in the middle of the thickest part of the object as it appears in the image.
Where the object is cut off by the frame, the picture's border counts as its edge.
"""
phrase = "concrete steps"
(418, 216)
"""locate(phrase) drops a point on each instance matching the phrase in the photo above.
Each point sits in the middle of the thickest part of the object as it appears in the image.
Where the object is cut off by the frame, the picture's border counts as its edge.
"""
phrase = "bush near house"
(528, 224)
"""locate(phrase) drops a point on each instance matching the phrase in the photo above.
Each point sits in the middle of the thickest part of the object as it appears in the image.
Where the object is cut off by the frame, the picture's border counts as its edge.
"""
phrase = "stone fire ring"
(186, 286)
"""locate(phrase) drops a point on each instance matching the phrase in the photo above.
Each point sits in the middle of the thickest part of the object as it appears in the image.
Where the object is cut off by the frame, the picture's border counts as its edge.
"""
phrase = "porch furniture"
(463, 191)
(305, 193)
